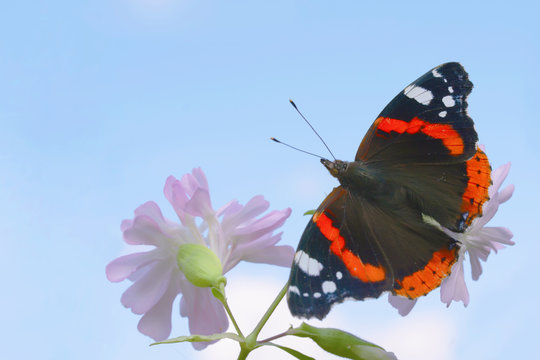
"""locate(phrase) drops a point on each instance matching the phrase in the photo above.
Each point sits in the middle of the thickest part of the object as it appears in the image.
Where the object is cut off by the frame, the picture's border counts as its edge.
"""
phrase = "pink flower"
(242, 234)
(477, 241)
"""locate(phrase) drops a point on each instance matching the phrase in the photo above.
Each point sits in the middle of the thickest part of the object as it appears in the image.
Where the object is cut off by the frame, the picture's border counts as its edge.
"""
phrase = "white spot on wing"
(450, 90)
(306, 294)
(448, 101)
(339, 275)
(423, 96)
(431, 221)
(436, 73)
(294, 289)
(317, 295)
(328, 287)
(307, 264)
(442, 114)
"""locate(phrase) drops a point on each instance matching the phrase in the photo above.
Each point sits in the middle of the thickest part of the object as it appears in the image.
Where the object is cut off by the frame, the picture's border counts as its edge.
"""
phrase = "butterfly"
(417, 171)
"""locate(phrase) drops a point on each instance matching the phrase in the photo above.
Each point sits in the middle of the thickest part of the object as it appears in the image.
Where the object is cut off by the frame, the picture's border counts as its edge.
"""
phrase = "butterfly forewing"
(426, 122)
(423, 138)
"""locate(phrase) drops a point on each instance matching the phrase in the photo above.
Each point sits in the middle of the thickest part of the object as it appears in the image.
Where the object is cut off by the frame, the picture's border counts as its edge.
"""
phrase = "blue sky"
(101, 101)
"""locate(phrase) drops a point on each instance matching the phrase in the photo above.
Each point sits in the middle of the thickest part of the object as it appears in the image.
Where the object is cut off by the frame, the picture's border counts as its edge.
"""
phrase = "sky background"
(100, 101)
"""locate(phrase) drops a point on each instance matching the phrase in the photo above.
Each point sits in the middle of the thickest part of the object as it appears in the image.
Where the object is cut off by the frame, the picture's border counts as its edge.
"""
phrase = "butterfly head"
(336, 167)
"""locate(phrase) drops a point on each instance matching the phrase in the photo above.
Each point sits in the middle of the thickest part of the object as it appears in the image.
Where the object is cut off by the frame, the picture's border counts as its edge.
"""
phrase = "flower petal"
(498, 177)
(121, 268)
(402, 304)
(148, 290)
(199, 204)
(490, 209)
(506, 193)
(476, 267)
(229, 209)
(191, 182)
(126, 224)
(266, 224)
(275, 255)
(236, 215)
(145, 231)
(496, 234)
(151, 210)
(156, 322)
(174, 192)
(140, 273)
(259, 251)
(496, 198)
(190, 194)
(205, 313)
(453, 288)
(199, 175)
(264, 241)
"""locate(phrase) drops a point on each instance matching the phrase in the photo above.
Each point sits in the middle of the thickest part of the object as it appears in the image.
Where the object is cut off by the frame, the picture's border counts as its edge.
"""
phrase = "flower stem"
(223, 300)
(244, 351)
(251, 339)
(285, 333)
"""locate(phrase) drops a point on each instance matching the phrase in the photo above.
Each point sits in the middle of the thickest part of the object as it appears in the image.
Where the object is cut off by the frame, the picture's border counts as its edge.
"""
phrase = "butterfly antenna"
(295, 148)
(312, 128)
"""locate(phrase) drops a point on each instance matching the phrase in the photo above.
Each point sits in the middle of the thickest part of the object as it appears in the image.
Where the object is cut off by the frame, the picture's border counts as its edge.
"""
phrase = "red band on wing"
(476, 193)
(445, 132)
(430, 277)
(356, 267)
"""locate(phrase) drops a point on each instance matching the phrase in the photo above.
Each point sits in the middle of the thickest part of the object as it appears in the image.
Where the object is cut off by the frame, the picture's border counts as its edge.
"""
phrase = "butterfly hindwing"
(341, 254)
(320, 277)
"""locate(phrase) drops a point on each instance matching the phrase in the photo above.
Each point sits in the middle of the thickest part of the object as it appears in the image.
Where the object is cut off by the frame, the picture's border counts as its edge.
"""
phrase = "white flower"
(477, 242)
(157, 280)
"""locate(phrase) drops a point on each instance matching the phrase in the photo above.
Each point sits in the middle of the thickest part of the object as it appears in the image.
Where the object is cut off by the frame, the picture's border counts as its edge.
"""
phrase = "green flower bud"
(200, 265)
(342, 343)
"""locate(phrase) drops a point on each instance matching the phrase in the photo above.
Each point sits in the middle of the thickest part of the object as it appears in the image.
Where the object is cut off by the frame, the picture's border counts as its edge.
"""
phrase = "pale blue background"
(101, 101)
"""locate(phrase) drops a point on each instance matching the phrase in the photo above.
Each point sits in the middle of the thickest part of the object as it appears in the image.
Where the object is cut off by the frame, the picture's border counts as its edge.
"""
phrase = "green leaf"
(342, 343)
(295, 353)
(310, 212)
(200, 338)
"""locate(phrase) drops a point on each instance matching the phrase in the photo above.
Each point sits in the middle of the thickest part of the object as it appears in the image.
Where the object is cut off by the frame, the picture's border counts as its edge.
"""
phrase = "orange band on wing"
(476, 193)
(356, 267)
(445, 132)
(430, 277)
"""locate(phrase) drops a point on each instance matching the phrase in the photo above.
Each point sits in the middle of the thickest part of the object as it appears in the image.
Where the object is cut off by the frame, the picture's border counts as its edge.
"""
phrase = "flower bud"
(342, 343)
(200, 265)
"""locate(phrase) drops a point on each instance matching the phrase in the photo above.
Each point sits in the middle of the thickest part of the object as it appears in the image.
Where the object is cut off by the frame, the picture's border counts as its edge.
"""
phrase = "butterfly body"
(418, 170)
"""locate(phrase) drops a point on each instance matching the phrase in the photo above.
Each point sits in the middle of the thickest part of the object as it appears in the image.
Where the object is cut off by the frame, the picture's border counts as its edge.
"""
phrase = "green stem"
(228, 310)
(285, 333)
(251, 340)
(244, 351)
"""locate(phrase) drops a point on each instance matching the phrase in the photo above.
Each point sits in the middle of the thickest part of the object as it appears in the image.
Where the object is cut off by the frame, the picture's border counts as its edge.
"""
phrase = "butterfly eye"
(332, 166)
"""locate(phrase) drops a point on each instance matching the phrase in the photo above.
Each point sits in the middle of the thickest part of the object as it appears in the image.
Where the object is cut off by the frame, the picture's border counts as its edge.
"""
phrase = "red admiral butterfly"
(418, 163)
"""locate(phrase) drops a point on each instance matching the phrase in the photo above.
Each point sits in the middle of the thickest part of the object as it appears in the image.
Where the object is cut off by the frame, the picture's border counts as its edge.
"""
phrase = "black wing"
(354, 248)
(425, 140)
